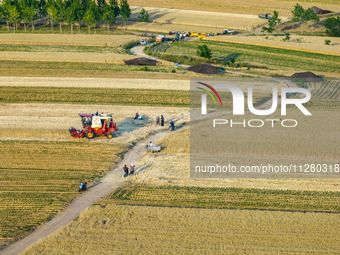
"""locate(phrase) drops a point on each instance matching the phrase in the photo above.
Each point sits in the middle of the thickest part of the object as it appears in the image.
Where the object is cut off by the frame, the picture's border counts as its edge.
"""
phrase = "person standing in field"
(132, 168)
(157, 120)
(162, 120)
(126, 171)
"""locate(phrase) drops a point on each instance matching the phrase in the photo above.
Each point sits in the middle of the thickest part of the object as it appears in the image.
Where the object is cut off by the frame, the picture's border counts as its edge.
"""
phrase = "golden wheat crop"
(152, 230)
(111, 58)
(38, 178)
(65, 39)
(112, 83)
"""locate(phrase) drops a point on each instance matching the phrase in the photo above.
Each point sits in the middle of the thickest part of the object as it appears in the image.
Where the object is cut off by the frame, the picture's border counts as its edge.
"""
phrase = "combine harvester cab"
(95, 125)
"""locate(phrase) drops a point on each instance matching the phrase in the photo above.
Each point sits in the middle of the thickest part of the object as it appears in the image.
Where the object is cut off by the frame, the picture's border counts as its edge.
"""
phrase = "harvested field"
(314, 44)
(171, 165)
(95, 83)
(327, 90)
(198, 19)
(66, 40)
(53, 120)
(284, 7)
(63, 57)
(59, 48)
(153, 230)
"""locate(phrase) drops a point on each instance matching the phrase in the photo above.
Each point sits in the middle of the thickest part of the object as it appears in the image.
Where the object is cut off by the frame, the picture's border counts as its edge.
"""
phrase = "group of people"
(126, 171)
(82, 186)
(160, 121)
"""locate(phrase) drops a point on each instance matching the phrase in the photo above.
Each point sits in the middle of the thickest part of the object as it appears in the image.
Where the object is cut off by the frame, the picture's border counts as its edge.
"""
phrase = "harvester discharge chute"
(95, 125)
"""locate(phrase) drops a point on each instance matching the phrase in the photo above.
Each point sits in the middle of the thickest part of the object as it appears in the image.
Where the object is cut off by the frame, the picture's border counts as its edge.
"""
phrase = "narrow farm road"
(112, 180)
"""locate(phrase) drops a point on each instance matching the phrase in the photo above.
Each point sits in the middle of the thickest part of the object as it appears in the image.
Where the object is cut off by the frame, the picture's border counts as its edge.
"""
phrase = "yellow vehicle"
(199, 35)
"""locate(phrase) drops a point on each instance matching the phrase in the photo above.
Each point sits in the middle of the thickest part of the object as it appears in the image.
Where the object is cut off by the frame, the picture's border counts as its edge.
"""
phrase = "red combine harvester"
(95, 125)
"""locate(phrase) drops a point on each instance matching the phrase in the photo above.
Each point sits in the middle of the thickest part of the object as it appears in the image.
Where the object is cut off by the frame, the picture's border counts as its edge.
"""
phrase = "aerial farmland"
(142, 67)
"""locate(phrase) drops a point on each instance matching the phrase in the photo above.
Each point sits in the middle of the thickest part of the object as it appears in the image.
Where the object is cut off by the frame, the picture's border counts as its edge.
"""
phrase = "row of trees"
(70, 11)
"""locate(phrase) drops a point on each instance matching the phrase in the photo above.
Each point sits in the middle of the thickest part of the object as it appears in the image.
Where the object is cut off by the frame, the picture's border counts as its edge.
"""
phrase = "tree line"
(59, 11)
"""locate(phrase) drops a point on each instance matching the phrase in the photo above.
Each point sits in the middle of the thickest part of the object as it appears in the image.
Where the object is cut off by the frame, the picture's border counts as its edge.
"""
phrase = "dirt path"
(110, 182)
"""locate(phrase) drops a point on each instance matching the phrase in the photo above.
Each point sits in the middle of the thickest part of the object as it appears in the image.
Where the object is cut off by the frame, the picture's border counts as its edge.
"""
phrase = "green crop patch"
(227, 198)
(95, 96)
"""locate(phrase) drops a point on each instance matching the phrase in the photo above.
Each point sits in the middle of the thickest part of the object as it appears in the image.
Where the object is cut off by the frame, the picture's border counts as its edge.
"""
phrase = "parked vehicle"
(265, 16)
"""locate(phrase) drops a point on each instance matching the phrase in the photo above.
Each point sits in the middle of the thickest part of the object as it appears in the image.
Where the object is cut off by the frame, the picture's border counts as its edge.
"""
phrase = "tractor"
(95, 125)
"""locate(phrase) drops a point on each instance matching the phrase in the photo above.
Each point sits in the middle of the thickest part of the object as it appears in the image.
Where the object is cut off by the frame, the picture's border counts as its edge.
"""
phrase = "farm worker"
(84, 186)
(132, 168)
(136, 116)
(162, 120)
(126, 171)
(157, 120)
(81, 187)
(151, 145)
(172, 126)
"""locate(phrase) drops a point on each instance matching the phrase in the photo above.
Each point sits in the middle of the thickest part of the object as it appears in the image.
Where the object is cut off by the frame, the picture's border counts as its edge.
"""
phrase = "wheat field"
(111, 58)
(112, 83)
(65, 39)
(297, 42)
(161, 230)
(191, 20)
(284, 7)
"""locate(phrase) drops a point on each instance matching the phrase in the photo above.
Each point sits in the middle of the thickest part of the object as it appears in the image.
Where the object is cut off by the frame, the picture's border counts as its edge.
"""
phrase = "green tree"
(23, 4)
(109, 16)
(91, 16)
(52, 13)
(204, 51)
(61, 9)
(101, 6)
(143, 15)
(272, 23)
(114, 5)
(310, 15)
(73, 12)
(125, 10)
(42, 7)
(333, 26)
(14, 16)
(298, 12)
(31, 12)
(6, 5)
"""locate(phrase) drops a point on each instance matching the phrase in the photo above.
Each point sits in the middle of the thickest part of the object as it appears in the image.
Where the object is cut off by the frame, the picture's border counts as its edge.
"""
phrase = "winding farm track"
(112, 180)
